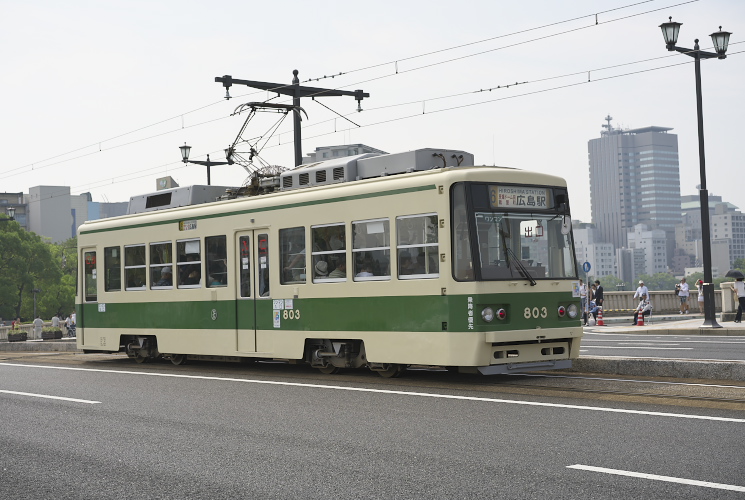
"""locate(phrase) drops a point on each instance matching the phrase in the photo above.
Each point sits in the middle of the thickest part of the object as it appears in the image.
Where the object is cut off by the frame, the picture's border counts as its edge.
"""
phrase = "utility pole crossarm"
(291, 89)
(296, 91)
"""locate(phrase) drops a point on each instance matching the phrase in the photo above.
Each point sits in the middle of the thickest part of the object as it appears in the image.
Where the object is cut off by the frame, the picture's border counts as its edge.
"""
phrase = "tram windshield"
(505, 243)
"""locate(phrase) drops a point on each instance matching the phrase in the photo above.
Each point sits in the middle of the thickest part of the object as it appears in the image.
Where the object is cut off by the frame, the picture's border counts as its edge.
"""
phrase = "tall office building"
(634, 179)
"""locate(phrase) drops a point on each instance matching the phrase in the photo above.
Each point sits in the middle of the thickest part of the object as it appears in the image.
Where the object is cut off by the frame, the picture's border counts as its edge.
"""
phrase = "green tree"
(26, 263)
(610, 283)
(659, 281)
(739, 264)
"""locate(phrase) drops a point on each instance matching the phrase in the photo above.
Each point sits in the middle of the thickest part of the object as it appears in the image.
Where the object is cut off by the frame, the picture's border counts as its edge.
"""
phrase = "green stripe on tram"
(286, 206)
(350, 314)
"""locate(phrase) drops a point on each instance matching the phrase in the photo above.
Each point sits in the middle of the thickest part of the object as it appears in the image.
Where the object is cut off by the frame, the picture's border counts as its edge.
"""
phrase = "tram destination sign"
(519, 197)
(187, 225)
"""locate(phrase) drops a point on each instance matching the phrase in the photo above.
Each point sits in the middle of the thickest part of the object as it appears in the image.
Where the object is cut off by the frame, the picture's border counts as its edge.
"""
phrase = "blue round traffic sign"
(586, 267)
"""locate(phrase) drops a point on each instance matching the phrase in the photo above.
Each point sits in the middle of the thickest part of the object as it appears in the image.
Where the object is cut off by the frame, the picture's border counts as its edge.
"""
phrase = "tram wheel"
(139, 357)
(329, 369)
(391, 371)
(178, 359)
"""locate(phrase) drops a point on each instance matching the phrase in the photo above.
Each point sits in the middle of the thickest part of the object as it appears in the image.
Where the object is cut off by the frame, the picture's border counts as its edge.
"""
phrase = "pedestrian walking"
(682, 290)
(38, 327)
(739, 289)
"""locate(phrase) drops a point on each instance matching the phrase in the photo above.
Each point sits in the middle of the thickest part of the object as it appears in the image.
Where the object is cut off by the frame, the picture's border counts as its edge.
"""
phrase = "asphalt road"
(100, 426)
(701, 347)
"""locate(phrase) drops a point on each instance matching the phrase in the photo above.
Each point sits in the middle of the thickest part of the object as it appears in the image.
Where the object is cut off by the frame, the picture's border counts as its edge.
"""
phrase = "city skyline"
(93, 73)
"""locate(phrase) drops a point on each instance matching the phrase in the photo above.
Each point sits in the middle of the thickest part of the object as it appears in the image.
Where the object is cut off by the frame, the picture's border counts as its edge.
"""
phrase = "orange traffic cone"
(640, 321)
(600, 321)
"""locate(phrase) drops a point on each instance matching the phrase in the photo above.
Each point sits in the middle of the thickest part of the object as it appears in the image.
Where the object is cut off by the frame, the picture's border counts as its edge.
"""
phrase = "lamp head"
(721, 40)
(185, 152)
(670, 32)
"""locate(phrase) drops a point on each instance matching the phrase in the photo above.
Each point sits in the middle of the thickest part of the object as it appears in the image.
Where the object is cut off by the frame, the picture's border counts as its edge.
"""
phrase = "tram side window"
(292, 255)
(135, 267)
(263, 274)
(112, 268)
(161, 265)
(371, 250)
(329, 253)
(91, 277)
(245, 266)
(417, 246)
(462, 260)
(217, 261)
(189, 264)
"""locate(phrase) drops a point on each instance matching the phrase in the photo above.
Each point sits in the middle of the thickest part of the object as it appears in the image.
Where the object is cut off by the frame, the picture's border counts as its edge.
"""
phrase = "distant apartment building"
(600, 256)
(53, 213)
(653, 243)
(634, 179)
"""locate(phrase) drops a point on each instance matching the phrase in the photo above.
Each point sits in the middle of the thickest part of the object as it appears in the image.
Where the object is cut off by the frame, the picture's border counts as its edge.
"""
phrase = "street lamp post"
(721, 40)
(35, 291)
(185, 157)
(11, 211)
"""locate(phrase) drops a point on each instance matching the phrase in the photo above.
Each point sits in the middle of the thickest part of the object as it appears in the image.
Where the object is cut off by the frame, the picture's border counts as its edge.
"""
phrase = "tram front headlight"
(487, 314)
(573, 311)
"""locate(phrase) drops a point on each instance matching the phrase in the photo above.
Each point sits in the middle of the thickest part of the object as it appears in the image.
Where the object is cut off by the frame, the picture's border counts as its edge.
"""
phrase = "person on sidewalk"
(598, 293)
(645, 307)
(38, 327)
(642, 291)
(700, 290)
(739, 289)
(683, 293)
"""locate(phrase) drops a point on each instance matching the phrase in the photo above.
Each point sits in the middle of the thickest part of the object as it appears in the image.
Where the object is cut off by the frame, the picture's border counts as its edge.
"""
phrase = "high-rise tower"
(634, 179)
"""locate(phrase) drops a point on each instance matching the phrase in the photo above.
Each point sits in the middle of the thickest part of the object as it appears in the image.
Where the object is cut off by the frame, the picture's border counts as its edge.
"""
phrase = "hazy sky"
(99, 95)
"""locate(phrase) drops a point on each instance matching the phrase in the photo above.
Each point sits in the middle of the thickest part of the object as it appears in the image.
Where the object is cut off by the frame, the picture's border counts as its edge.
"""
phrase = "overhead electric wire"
(418, 114)
(33, 164)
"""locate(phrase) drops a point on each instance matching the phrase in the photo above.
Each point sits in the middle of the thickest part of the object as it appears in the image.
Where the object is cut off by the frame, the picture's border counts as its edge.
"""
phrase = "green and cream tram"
(378, 261)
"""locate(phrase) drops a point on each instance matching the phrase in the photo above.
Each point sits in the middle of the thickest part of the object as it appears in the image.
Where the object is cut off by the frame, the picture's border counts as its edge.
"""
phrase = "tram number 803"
(535, 312)
(291, 314)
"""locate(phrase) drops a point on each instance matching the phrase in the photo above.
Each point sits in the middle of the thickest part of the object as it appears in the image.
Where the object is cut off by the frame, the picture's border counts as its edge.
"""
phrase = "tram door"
(253, 283)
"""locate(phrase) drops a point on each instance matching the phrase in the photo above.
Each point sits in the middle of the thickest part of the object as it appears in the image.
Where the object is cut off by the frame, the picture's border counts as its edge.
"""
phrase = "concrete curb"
(658, 367)
(40, 346)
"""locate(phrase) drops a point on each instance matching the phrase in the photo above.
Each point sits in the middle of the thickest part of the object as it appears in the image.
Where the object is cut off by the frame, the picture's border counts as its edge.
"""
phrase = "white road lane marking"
(387, 391)
(638, 347)
(49, 397)
(626, 380)
(655, 477)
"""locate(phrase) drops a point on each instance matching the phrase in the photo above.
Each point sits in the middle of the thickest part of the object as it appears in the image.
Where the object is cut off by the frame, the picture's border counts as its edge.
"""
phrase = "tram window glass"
(90, 283)
(161, 265)
(112, 268)
(417, 246)
(217, 261)
(462, 260)
(189, 264)
(263, 275)
(292, 255)
(244, 244)
(533, 240)
(371, 250)
(329, 256)
(135, 267)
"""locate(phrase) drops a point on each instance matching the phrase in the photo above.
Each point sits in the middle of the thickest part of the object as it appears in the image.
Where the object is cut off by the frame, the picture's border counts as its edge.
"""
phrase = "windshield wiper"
(521, 267)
